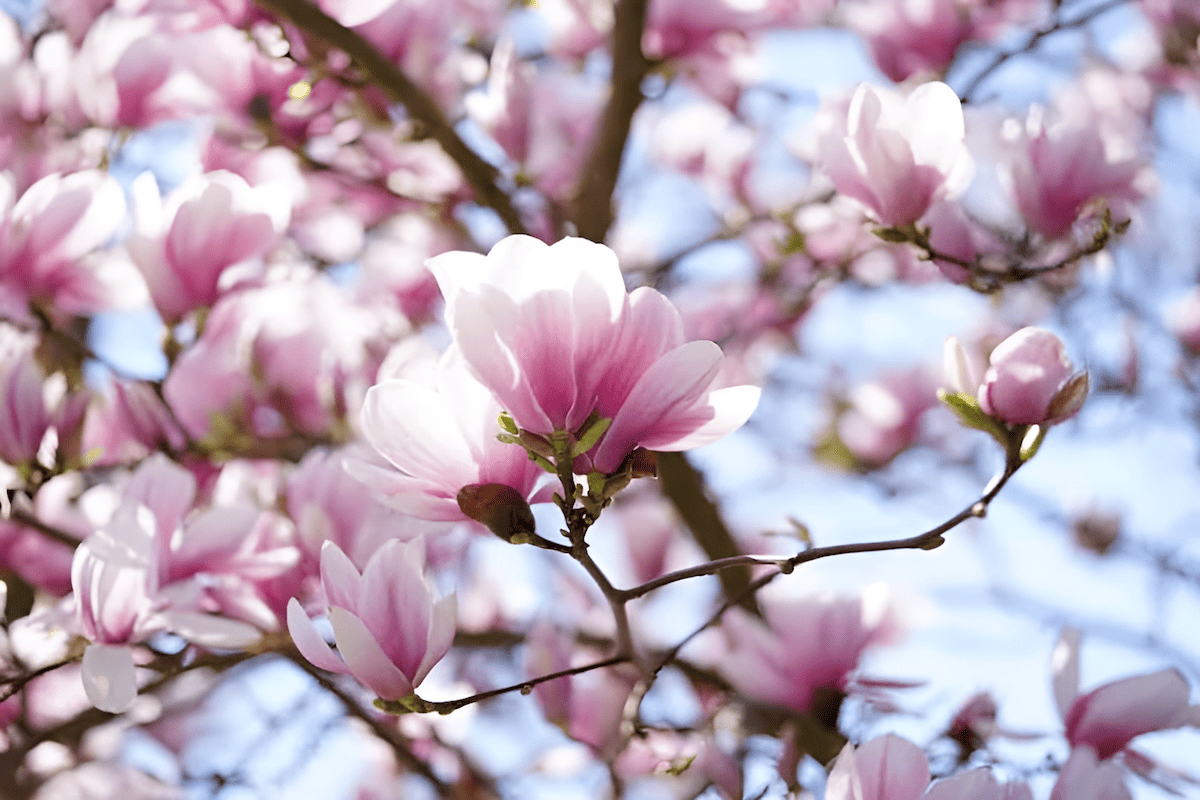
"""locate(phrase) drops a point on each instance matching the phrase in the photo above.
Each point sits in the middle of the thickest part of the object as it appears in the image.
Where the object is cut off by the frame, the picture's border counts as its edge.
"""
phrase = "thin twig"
(1031, 44)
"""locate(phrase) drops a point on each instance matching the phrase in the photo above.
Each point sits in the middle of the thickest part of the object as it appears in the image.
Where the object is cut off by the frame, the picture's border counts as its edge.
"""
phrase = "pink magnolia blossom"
(885, 768)
(806, 645)
(215, 222)
(389, 629)
(1030, 380)
(147, 570)
(49, 238)
(292, 355)
(910, 37)
(551, 331)
(896, 154)
(1066, 165)
(1087, 777)
(978, 784)
(1107, 718)
(1183, 319)
(437, 436)
(128, 423)
(885, 415)
(33, 403)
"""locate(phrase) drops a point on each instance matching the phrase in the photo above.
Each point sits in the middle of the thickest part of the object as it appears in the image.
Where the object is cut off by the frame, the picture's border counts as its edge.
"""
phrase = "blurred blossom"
(183, 247)
(1064, 166)
(292, 356)
(49, 238)
(1106, 719)
(804, 646)
(554, 335)
(885, 768)
(36, 557)
(1183, 320)
(885, 415)
(35, 404)
(912, 37)
(1086, 777)
(895, 154)
(388, 627)
(127, 423)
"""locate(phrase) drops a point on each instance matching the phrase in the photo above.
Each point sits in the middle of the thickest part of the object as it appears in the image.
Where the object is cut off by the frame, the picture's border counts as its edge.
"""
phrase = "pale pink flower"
(389, 629)
(978, 784)
(910, 37)
(127, 423)
(1183, 319)
(551, 331)
(885, 768)
(437, 436)
(1064, 166)
(885, 415)
(805, 645)
(147, 570)
(121, 63)
(1086, 777)
(211, 224)
(49, 239)
(33, 403)
(1030, 380)
(896, 154)
(1107, 718)
(292, 355)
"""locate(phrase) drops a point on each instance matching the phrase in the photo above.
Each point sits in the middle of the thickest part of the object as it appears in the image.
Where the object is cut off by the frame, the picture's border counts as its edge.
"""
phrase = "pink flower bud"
(1031, 381)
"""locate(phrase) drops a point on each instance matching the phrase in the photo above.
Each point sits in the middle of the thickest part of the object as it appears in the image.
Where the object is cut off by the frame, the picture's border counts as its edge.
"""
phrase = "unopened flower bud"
(500, 508)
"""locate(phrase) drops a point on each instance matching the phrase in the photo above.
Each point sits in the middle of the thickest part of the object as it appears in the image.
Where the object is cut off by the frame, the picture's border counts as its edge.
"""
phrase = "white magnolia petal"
(109, 677)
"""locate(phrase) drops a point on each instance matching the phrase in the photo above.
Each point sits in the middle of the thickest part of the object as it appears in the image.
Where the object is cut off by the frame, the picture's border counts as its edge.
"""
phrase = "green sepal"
(589, 433)
(409, 704)
(967, 409)
(893, 235)
(508, 438)
(508, 424)
(1032, 441)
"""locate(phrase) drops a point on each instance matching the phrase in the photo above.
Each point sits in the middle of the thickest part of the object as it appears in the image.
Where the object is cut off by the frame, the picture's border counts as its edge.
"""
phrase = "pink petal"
(309, 642)
(365, 658)
(340, 578)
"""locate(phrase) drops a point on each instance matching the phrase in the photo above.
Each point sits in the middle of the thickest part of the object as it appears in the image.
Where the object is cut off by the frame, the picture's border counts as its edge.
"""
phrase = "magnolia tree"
(389, 494)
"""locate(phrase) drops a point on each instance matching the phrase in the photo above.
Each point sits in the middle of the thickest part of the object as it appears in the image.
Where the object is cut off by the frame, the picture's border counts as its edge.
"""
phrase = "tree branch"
(593, 212)
(400, 89)
(683, 485)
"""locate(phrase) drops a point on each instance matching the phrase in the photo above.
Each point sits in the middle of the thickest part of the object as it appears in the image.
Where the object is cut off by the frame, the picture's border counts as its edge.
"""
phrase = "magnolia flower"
(1107, 718)
(1030, 380)
(1086, 777)
(896, 154)
(885, 768)
(810, 644)
(389, 629)
(551, 331)
(891, 768)
(437, 437)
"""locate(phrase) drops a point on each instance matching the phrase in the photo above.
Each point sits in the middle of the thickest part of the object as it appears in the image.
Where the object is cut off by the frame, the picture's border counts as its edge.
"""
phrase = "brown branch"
(683, 485)
(525, 687)
(385, 733)
(1034, 40)
(928, 540)
(400, 89)
(593, 211)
